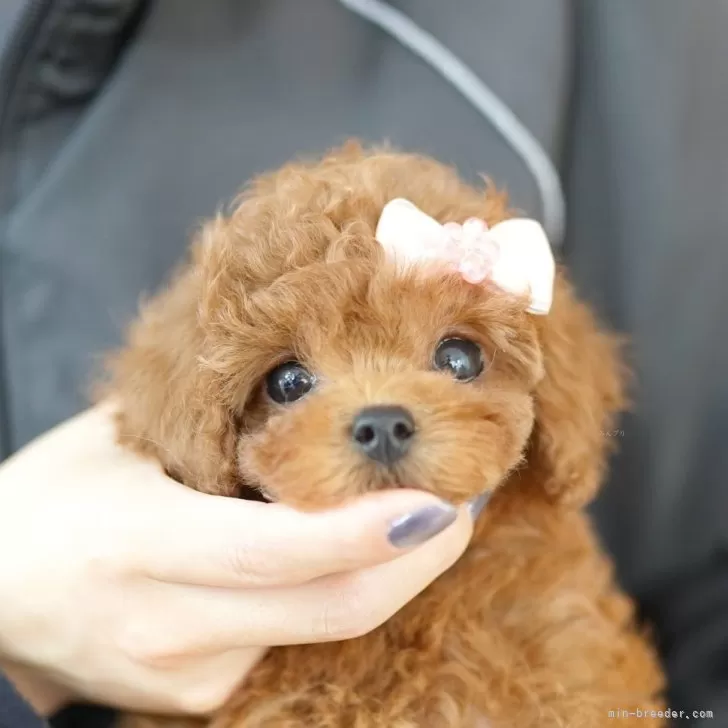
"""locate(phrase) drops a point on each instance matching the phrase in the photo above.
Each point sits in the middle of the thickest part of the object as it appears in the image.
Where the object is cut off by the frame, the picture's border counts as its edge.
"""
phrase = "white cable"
(448, 65)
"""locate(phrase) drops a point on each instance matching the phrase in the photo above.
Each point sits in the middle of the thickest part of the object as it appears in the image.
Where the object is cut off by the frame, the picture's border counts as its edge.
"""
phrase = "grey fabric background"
(648, 243)
(630, 98)
(10, 11)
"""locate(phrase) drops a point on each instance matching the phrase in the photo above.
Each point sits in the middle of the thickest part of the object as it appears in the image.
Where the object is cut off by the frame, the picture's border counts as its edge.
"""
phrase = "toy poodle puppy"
(369, 321)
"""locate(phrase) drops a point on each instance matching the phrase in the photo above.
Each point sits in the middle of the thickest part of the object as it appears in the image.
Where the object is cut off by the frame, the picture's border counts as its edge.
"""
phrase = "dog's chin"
(379, 482)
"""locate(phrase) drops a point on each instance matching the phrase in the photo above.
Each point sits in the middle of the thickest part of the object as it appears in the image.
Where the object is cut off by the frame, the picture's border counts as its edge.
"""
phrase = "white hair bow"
(514, 254)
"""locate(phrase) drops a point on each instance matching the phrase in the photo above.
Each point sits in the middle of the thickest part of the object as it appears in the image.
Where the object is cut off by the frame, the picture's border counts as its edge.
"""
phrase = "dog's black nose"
(383, 434)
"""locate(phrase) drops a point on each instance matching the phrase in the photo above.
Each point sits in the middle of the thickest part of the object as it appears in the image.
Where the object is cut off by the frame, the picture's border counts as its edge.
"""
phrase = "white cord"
(448, 65)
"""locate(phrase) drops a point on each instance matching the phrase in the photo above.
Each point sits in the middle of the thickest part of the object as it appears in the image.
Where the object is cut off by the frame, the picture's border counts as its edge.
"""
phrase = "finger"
(172, 533)
(215, 541)
(177, 534)
(335, 607)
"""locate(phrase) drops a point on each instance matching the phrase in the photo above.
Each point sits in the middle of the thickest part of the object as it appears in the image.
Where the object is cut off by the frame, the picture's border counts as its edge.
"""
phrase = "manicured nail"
(476, 505)
(420, 526)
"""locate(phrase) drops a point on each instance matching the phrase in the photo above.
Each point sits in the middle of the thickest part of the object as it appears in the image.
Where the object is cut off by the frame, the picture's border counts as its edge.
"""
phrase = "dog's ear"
(577, 400)
(169, 406)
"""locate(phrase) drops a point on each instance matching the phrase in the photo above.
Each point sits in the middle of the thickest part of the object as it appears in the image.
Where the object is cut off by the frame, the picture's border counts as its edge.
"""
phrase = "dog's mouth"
(256, 493)
(260, 494)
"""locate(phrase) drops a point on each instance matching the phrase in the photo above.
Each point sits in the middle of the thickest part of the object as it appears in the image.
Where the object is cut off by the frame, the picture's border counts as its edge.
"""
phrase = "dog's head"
(290, 356)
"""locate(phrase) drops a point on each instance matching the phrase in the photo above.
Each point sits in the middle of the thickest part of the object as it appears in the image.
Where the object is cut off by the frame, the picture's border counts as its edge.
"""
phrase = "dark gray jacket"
(123, 123)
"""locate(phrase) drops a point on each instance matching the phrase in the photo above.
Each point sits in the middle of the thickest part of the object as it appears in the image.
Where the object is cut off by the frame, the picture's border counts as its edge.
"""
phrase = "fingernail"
(420, 526)
(476, 505)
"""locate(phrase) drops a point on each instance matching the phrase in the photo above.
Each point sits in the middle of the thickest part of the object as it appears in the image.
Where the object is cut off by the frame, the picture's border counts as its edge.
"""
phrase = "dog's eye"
(289, 382)
(461, 358)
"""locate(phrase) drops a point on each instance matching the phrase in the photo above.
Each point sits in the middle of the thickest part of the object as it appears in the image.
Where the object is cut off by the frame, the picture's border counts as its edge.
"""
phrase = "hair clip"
(514, 254)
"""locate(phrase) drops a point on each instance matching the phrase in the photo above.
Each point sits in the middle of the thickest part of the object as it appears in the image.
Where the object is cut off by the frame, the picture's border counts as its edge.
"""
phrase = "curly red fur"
(528, 628)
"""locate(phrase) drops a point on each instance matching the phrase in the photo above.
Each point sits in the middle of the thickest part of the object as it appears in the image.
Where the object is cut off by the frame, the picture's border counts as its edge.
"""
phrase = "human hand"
(121, 586)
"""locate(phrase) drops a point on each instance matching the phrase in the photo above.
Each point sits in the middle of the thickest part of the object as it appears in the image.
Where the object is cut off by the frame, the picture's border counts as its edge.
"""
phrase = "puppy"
(291, 344)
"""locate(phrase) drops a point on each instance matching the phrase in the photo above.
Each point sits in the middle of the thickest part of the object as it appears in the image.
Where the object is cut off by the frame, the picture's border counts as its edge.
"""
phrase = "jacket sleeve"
(14, 711)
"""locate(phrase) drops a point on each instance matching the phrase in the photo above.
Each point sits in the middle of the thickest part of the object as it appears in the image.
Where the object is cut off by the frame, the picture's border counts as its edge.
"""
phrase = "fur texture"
(528, 628)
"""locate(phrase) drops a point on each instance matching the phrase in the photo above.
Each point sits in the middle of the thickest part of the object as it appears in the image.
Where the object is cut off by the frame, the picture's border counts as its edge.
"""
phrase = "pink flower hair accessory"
(514, 254)
(472, 250)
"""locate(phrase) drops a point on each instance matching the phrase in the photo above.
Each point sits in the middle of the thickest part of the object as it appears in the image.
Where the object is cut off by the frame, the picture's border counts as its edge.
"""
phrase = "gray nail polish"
(476, 505)
(420, 526)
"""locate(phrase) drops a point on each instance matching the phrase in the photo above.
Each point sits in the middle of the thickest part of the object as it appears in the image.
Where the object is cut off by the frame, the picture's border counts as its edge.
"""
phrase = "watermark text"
(667, 713)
